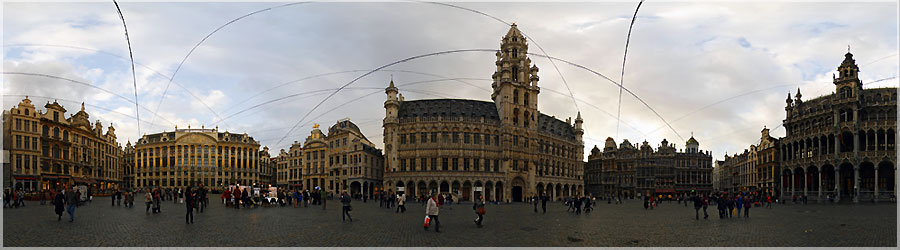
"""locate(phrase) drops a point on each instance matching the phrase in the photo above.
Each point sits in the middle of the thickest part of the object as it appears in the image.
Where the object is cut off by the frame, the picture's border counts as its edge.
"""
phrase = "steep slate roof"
(448, 108)
(547, 124)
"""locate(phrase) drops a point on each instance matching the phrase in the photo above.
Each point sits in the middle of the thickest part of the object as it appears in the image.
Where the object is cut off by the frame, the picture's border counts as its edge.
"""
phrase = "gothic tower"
(390, 124)
(515, 82)
(848, 84)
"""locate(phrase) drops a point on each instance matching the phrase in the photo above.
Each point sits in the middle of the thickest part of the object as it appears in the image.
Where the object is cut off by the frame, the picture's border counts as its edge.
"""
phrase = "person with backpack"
(697, 205)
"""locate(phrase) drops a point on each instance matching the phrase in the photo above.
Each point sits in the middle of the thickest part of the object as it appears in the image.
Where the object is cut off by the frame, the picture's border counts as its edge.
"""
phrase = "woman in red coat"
(237, 198)
(226, 196)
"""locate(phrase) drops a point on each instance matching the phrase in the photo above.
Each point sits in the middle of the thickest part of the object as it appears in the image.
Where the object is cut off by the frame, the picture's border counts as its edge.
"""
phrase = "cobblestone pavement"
(670, 225)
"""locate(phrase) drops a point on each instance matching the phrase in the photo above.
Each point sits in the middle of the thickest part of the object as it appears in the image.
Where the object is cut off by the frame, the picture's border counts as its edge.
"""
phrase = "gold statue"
(315, 125)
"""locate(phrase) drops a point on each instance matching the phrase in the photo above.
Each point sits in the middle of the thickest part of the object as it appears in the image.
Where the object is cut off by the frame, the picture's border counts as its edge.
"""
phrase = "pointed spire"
(798, 94)
(392, 82)
(579, 116)
(82, 106)
(789, 100)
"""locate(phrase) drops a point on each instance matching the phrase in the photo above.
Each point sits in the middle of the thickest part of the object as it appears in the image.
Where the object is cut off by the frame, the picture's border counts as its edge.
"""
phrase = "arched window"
(526, 101)
(45, 131)
(515, 53)
(516, 116)
(515, 74)
(56, 132)
(525, 118)
(516, 96)
(65, 135)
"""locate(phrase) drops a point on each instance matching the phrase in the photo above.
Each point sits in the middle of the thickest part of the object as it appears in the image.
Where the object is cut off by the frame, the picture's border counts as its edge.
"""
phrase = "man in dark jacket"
(345, 201)
(544, 199)
(119, 198)
(189, 199)
(71, 201)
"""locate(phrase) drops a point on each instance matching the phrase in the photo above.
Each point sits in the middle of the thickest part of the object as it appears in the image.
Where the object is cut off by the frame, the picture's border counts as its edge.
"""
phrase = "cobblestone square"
(512, 225)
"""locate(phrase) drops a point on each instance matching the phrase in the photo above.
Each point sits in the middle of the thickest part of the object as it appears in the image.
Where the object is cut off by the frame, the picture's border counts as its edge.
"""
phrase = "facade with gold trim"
(193, 157)
(49, 151)
(505, 149)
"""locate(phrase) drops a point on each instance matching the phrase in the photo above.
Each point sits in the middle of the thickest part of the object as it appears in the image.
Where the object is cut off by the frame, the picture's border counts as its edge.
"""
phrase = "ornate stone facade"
(194, 157)
(49, 151)
(841, 145)
(355, 165)
(505, 150)
(629, 171)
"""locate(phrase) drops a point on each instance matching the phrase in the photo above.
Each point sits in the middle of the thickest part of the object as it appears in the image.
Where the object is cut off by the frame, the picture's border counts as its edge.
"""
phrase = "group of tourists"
(728, 203)
(13, 198)
(67, 199)
(237, 198)
(117, 198)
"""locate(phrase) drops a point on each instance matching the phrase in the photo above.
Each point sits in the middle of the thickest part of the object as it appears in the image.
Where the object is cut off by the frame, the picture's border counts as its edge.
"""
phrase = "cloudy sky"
(719, 70)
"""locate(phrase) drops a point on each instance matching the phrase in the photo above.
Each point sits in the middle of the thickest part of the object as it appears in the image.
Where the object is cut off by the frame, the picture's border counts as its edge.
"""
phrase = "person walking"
(401, 203)
(705, 205)
(345, 202)
(578, 202)
(740, 204)
(189, 199)
(148, 198)
(747, 205)
(113, 199)
(534, 199)
(119, 198)
(544, 199)
(720, 204)
(226, 197)
(431, 211)
(59, 201)
(237, 198)
(697, 205)
(729, 203)
(479, 210)
(71, 201)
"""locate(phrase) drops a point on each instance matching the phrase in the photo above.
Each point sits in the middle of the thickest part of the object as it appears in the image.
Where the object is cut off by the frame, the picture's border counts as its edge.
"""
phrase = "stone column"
(806, 183)
(856, 184)
(837, 184)
(876, 184)
(793, 186)
(820, 185)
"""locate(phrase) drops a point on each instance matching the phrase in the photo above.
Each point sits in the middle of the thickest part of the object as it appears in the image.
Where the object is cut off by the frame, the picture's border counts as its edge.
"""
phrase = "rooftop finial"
(848, 48)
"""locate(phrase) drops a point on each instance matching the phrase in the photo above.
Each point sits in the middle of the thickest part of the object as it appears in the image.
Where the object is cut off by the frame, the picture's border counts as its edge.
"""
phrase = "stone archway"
(518, 189)
(411, 190)
(866, 181)
(400, 185)
(812, 181)
(355, 188)
(539, 189)
(455, 189)
(828, 184)
(489, 191)
(432, 188)
(886, 180)
(846, 182)
(466, 191)
(499, 191)
(445, 187)
(478, 190)
(422, 188)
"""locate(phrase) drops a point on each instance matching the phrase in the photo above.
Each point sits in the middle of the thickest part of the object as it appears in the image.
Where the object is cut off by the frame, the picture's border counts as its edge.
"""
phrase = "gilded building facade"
(632, 170)
(194, 157)
(49, 151)
(843, 144)
(314, 153)
(505, 149)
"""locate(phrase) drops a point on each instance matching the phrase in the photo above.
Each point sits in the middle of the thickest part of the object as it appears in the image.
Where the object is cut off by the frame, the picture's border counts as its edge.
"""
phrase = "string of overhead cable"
(348, 71)
(429, 93)
(623, 88)
(76, 102)
(625, 56)
(322, 91)
(85, 84)
(166, 89)
(137, 111)
(123, 58)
